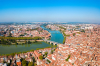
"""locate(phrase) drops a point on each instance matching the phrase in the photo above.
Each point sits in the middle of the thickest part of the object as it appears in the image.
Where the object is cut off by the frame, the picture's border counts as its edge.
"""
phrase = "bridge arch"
(51, 42)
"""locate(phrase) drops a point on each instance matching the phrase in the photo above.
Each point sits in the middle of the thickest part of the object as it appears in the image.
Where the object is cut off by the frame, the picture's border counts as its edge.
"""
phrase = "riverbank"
(51, 46)
(19, 40)
(57, 28)
(62, 31)
(8, 49)
(56, 35)
(60, 28)
(12, 54)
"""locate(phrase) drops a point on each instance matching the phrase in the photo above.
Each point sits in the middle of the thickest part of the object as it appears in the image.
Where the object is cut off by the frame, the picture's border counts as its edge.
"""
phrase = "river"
(55, 36)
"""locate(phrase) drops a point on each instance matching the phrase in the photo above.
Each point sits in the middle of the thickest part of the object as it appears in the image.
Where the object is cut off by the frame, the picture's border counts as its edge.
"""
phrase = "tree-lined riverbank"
(18, 40)
(8, 49)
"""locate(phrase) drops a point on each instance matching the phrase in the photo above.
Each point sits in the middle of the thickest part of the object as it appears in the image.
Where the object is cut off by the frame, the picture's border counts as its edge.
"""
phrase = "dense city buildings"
(26, 30)
(81, 46)
(49, 32)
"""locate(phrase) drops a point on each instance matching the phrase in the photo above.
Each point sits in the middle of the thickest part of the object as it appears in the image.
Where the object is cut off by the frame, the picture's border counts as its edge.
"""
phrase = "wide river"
(55, 36)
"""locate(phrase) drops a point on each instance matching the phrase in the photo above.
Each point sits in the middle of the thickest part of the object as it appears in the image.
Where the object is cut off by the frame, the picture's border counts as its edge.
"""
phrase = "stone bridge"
(51, 42)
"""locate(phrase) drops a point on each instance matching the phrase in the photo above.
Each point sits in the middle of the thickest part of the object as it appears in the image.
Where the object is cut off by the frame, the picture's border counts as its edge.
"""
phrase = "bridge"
(51, 42)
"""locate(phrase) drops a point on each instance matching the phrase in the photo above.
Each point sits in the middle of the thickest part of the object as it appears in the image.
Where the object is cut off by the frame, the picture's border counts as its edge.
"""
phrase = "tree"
(87, 35)
(46, 53)
(67, 35)
(62, 27)
(25, 42)
(8, 64)
(32, 50)
(51, 51)
(83, 30)
(4, 61)
(74, 34)
(10, 35)
(24, 62)
(16, 43)
(30, 64)
(41, 57)
(12, 54)
(31, 35)
(24, 65)
(22, 35)
(56, 46)
(33, 60)
(37, 38)
(25, 33)
(48, 61)
(2, 41)
(64, 40)
(21, 59)
(35, 41)
(29, 42)
(68, 57)
(37, 48)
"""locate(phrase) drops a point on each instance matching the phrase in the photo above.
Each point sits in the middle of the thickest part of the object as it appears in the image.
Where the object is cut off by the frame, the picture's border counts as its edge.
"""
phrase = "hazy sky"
(50, 10)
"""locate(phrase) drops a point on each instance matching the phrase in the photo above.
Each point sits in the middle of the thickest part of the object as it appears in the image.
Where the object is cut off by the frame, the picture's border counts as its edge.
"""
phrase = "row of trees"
(7, 41)
(64, 36)
(68, 58)
(64, 40)
(10, 40)
(62, 27)
(22, 38)
(29, 42)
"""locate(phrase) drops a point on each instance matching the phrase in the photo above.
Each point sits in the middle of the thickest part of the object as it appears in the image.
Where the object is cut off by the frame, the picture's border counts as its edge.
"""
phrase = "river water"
(55, 36)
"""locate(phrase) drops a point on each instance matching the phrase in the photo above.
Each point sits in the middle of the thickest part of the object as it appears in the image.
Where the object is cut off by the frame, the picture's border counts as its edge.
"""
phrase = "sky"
(50, 10)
